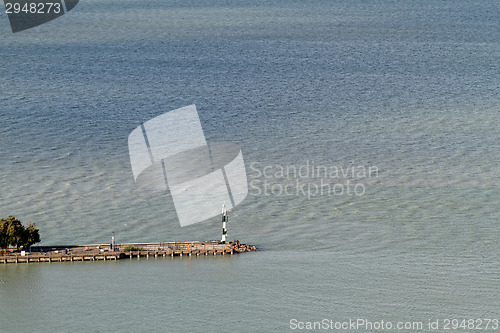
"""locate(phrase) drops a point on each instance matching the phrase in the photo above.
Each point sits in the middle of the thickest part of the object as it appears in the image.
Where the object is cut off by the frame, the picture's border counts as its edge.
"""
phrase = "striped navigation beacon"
(169, 154)
(224, 221)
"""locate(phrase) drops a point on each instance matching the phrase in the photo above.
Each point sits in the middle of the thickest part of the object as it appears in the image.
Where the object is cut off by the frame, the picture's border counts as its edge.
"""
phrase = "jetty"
(103, 252)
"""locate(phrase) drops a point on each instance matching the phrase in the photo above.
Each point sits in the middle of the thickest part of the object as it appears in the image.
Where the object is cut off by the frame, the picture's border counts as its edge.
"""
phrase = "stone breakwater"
(92, 252)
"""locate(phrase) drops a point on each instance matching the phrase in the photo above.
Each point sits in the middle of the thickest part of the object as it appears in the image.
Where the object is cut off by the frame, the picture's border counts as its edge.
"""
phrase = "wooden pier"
(93, 252)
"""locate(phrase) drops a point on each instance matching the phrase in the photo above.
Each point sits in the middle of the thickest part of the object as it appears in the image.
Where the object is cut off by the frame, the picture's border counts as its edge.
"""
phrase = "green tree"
(32, 236)
(15, 232)
(12, 232)
(3, 234)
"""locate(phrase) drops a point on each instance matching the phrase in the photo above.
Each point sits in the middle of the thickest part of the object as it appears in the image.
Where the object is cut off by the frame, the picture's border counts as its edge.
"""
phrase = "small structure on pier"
(224, 222)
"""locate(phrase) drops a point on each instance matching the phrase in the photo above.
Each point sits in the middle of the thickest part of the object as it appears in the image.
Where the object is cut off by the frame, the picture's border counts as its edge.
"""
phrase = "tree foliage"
(12, 232)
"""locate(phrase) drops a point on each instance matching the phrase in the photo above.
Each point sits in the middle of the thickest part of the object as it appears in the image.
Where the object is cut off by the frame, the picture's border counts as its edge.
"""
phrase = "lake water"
(406, 89)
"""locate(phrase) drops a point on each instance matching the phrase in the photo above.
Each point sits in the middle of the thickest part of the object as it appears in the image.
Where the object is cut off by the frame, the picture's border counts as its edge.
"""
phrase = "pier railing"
(120, 251)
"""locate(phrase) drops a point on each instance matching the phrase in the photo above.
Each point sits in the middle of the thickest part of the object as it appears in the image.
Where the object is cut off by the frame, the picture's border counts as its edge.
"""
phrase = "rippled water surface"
(407, 88)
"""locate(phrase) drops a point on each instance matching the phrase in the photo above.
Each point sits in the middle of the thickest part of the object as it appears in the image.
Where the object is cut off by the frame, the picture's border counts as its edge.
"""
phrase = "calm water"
(410, 88)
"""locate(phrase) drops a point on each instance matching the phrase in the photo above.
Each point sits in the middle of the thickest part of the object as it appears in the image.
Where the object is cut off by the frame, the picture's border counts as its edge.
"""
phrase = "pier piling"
(105, 253)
